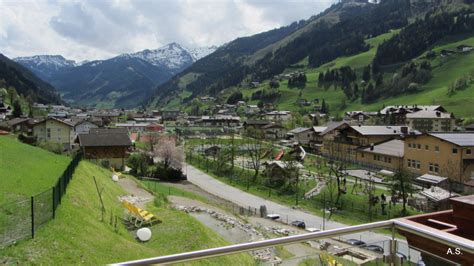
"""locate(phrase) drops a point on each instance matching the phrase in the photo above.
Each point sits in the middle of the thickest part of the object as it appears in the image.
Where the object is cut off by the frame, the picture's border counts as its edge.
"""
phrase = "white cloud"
(90, 30)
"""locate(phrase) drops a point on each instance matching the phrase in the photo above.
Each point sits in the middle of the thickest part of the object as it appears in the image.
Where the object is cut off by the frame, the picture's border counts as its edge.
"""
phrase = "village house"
(340, 141)
(17, 124)
(396, 114)
(278, 115)
(109, 145)
(278, 171)
(358, 116)
(255, 124)
(170, 115)
(302, 135)
(316, 117)
(316, 142)
(431, 121)
(384, 155)
(84, 127)
(4, 110)
(54, 130)
(219, 121)
(133, 127)
(274, 131)
(445, 154)
(252, 109)
(106, 117)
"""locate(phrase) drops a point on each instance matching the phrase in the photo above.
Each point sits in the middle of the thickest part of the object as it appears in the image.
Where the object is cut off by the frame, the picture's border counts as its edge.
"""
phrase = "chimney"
(371, 146)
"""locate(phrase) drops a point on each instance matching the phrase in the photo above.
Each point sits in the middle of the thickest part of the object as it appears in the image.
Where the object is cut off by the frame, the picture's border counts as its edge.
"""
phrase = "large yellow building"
(447, 154)
(54, 130)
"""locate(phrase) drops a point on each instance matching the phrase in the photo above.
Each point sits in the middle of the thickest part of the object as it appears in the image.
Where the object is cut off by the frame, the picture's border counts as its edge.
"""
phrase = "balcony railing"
(463, 244)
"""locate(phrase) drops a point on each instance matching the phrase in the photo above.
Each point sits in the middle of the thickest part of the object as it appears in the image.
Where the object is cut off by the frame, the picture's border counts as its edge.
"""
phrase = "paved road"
(244, 199)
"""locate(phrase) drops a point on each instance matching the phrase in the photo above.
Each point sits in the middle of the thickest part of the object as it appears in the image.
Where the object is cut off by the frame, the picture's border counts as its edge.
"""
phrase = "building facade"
(54, 130)
(443, 154)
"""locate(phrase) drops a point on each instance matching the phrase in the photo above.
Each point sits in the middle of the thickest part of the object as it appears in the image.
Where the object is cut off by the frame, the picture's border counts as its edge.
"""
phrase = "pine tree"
(17, 112)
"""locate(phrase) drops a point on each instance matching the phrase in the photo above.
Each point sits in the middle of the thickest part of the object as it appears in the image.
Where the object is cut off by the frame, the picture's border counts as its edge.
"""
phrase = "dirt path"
(132, 188)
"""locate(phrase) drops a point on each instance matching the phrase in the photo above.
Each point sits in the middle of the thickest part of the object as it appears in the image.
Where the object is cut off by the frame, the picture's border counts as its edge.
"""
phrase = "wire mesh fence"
(19, 220)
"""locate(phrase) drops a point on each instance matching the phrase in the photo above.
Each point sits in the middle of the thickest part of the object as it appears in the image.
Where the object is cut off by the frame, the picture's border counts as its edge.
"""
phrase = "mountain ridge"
(121, 81)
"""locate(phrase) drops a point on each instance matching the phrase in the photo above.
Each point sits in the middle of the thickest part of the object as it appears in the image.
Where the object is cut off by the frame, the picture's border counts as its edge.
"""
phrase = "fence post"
(54, 200)
(32, 217)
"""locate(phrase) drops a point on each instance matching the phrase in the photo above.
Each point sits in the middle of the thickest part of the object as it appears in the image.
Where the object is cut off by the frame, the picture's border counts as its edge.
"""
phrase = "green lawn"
(26, 170)
(77, 235)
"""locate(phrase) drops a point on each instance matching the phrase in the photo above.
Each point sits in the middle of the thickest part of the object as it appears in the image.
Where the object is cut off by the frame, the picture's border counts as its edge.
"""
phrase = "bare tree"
(171, 155)
(255, 150)
(401, 183)
(153, 139)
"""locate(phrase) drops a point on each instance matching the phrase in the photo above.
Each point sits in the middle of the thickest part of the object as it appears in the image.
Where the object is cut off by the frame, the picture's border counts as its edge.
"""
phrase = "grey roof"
(432, 179)
(380, 130)
(319, 129)
(108, 130)
(105, 140)
(15, 121)
(429, 114)
(393, 147)
(298, 130)
(458, 138)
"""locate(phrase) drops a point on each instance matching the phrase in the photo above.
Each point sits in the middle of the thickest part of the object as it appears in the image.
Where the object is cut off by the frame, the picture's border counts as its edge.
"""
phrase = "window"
(436, 168)
(409, 145)
(362, 155)
(455, 151)
(389, 160)
(418, 164)
(409, 163)
(436, 148)
(419, 146)
(468, 151)
(427, 147)
(48, 133)
(375, 157)
(431, 167)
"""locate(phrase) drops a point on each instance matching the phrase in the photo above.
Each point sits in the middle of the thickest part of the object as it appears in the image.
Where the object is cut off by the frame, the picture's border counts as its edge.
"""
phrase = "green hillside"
(445, 71)
(26, 170)
(77, 236)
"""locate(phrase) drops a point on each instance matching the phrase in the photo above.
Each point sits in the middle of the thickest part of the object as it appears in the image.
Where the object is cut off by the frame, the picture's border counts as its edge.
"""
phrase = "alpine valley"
(122, 81)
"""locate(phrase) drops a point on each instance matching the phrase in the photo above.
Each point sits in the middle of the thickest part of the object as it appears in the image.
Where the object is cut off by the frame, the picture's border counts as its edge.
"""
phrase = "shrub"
(168, 174)
(51, 146)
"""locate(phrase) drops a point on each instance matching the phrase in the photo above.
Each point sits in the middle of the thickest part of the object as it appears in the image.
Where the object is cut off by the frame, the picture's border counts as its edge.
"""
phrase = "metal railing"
(464, 244)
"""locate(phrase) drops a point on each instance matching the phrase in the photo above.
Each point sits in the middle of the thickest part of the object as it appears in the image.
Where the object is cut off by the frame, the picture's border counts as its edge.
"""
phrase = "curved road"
(244, 199)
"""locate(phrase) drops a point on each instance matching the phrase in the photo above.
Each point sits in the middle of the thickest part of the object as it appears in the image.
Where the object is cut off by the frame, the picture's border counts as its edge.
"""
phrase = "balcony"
(440, 238)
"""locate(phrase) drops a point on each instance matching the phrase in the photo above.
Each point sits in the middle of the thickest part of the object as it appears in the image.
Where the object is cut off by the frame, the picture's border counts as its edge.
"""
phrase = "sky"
(100, 29)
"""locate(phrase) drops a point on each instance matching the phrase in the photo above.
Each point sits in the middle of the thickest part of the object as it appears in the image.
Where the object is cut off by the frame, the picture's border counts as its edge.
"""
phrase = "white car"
(312, 229)
(273, 216)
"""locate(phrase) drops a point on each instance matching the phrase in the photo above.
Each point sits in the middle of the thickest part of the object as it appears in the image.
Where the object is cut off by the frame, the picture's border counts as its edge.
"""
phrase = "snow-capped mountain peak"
(53, 61)
(172, 56)
(200, 52)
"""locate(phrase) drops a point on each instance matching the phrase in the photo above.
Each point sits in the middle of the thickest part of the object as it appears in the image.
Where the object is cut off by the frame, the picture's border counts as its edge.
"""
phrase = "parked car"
(312, 229)
(299, 224)
(355, 242)
(375, 248)
(273, 216)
